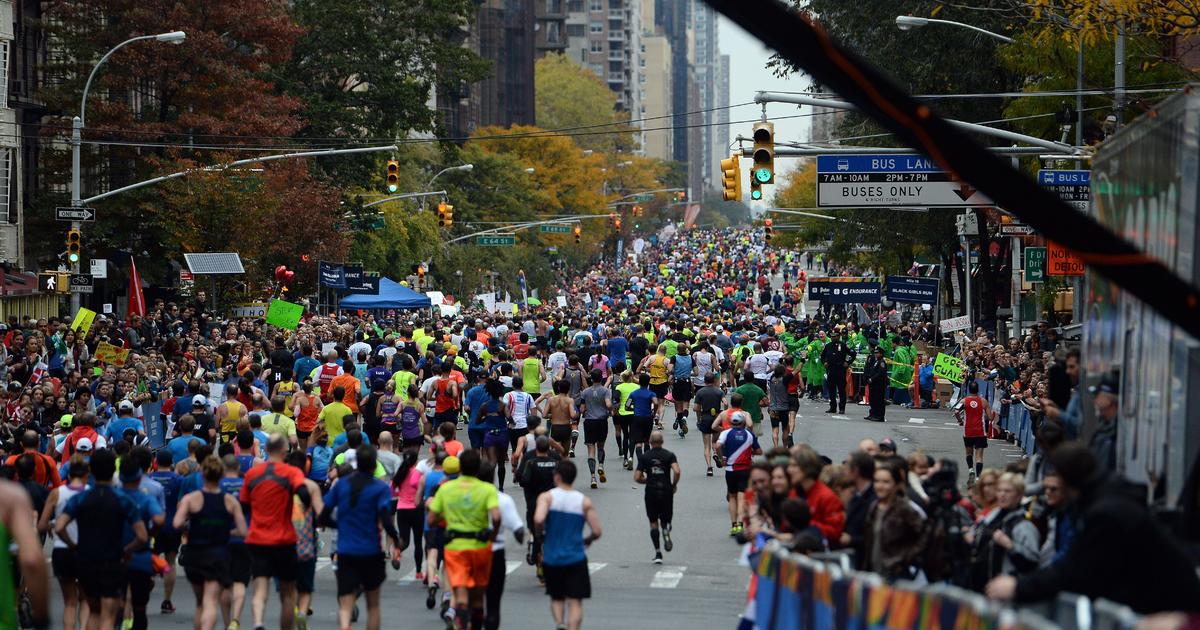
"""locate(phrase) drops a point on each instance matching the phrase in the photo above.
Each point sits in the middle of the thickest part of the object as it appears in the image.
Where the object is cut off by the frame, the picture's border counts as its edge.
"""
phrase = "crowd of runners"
(222, 449)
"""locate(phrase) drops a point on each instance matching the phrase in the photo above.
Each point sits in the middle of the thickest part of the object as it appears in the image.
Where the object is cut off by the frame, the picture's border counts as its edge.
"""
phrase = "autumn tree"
(155, 106)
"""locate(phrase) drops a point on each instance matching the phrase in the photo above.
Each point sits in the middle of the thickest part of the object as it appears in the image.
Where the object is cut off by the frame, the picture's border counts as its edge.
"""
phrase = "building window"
(554, 7)
(596, 27)
(4, 74)
(574, 6)
(575, 30)
(553, 33)
(596, 5)
(5, 170)
(597, 46)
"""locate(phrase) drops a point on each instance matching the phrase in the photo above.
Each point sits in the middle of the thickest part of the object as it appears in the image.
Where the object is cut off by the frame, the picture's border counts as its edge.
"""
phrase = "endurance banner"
(844, 290)
(332, 275)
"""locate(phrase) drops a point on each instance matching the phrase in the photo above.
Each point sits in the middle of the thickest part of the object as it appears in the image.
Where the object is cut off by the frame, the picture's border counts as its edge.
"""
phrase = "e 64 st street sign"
(499, 240)
(555, 229)
(66, 213)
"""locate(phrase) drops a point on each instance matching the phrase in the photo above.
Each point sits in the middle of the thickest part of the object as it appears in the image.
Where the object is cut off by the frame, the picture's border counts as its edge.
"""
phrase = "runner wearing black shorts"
(709, 401)
(658, 468)
(595, 403)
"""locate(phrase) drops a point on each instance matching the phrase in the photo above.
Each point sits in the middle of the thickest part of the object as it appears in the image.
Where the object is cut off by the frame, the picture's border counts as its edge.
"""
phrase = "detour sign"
(1061, 261)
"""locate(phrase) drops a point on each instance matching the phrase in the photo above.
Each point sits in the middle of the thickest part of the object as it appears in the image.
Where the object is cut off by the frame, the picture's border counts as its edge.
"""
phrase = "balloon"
(288, 276)
(279, 271)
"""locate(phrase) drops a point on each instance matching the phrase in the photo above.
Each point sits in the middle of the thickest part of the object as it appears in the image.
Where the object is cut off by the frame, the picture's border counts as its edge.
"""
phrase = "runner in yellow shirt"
(470, 509)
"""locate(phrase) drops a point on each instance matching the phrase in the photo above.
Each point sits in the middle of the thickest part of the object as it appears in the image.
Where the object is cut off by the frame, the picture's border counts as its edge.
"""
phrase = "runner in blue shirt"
(166, 541)
(239, 554)
(617, 347)
(139, 569)
(644, 405)
(359, 506)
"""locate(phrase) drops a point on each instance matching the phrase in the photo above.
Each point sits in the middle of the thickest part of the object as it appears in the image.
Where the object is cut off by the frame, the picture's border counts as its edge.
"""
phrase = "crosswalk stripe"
(409, 578)
(840, 417)
(917, 420)
(512, 565)
(593, 567)
(668, 578)
(322, 563)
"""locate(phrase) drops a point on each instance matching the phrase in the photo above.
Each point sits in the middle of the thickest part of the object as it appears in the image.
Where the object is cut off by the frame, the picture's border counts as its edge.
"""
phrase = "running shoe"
(167, 607)
(431, 597)
(234, 625)
(683, 429)
(675, 426)
(354, 614)
(603, 479)
(420, 576)
(571, 454)
(667, 544)
(395, 565)
(541, 576)
(301, 620)
(594, 484)
(127, 623)
(529, 559)
(657, 557)
(710, 472)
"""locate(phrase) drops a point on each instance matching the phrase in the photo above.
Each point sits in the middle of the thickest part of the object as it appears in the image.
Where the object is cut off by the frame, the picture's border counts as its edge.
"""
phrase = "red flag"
(137, 301)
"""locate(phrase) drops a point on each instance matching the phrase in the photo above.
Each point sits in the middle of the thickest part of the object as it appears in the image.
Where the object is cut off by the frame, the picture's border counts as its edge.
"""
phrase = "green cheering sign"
(284, 314)
(948, 367)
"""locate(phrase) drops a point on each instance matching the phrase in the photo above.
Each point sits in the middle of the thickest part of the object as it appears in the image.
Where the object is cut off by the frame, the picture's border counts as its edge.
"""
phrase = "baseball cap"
(887, 444)
(199, 401)
(125, 405)
(1108, 384)
(84, 444)
(451, 465)
(66, 420)
(737, 419)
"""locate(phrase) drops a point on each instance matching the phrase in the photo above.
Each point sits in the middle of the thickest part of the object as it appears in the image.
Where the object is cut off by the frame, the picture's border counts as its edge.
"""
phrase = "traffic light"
(731, 178)
(74, 245)
(393, 176)
(578, 234)
(680, 195)
(617, 224)
(637, 211)
(755, 189)
(612, 218)
(767, 229)
(763, 171)
(445, 214)
(421, 271)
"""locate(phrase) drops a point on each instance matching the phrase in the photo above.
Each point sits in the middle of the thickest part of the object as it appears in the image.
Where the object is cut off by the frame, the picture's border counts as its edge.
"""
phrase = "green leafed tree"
(365, 71)
(569, 96)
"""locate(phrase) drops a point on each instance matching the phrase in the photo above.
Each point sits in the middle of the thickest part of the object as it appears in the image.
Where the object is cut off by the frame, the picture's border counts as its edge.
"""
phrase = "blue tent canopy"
(391, 295)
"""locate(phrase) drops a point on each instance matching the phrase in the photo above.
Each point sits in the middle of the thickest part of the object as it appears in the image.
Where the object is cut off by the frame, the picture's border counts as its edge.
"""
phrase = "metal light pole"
(909, 22)
(175, 37)
(461, 167)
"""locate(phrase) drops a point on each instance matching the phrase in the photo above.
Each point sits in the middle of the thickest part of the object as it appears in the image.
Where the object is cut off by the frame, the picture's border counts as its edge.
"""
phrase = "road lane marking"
(840, 417)
(593, 567)
(667, 578)
(512, 565)
(916, 420)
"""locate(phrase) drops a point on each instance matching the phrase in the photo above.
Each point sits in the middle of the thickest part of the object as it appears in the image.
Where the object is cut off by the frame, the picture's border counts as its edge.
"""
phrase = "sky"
(748, 74)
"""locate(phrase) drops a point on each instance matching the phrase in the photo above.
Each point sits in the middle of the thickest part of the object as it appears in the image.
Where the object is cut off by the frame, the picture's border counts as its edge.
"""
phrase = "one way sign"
(62, 213)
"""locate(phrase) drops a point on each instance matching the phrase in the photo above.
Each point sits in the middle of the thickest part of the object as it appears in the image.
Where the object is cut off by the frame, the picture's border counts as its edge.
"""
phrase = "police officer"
(835, 356)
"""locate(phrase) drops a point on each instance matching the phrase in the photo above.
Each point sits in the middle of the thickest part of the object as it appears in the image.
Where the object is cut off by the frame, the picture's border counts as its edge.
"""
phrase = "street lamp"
(460, 168)
(530, 170)
(909, 22)
(172, 37)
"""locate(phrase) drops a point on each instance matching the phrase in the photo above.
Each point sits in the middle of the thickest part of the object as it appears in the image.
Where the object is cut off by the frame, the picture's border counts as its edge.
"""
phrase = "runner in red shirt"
(975, 410)
(267, 492)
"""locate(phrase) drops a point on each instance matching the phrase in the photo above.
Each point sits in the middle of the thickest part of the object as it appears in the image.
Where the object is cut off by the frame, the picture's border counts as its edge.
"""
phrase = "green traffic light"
(762, 175)
(73, 258)
(756, 194)
(393, 188)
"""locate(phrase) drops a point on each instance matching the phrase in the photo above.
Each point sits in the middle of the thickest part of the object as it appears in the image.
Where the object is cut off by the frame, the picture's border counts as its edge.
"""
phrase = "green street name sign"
(1035, 264)
(503, 240)
(555, 229)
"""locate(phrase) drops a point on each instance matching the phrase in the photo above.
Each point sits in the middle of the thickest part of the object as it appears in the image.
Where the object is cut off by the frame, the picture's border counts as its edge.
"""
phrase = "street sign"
(67, 213)
(889, 180)
(1073, 187)
(81, 283)
(99, 268)
(555, 229)
(1035, 264)
(1015, 229)
(1061, 261)
(502, 240)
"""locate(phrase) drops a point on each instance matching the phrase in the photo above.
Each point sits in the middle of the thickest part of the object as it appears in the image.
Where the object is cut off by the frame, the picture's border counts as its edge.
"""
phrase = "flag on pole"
(39, 372)
(137, 301)
(524, 288)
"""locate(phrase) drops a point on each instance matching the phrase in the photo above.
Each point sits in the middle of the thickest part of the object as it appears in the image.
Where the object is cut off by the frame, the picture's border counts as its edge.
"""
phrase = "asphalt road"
(700, 585)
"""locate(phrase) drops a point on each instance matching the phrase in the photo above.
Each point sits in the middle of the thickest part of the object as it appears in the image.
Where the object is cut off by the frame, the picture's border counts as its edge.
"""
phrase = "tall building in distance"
(605, 36)
(655, 89)
(706, 70)
(503, 33)
(720, 145)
